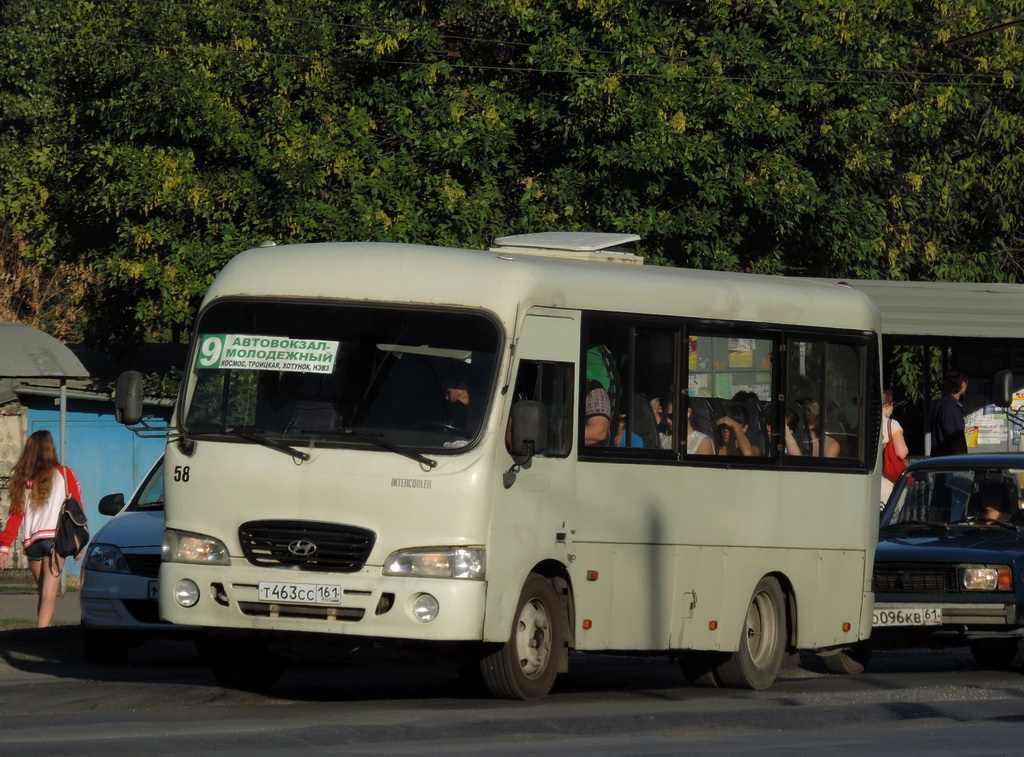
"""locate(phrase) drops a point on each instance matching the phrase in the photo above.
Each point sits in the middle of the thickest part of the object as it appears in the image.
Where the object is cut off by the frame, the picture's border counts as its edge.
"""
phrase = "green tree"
(144, 143)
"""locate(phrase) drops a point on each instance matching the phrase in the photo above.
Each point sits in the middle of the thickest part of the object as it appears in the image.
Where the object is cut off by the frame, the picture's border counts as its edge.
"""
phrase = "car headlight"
(438, 562)
(182, 546)
(986, 578)
(105, 558)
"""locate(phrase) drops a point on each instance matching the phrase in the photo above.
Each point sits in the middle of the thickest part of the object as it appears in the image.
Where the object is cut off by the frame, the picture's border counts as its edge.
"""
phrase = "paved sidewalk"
(22, 606)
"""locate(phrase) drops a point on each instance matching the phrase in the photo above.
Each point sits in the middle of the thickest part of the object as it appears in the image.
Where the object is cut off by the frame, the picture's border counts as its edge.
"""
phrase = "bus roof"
(502, 280)
(945, 309)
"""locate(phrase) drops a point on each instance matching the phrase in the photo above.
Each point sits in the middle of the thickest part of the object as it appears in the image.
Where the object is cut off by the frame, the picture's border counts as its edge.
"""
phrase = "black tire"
(525, 666)
(242, 663)
(851, 661)
(756, 664)
(994, 656)
(699, 668)
(104, 647)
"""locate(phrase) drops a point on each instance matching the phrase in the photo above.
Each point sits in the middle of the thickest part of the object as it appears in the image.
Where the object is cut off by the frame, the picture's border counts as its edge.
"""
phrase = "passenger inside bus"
(733, 429)
(597, 411)
(663, 421)
(697, 442)
(814, 443)
(623, 436)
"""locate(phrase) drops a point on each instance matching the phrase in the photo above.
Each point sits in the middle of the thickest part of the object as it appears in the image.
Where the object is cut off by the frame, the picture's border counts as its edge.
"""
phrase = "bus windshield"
(300, 373)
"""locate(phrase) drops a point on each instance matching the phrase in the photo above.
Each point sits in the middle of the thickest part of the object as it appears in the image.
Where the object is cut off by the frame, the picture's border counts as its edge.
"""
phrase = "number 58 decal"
(181, 473)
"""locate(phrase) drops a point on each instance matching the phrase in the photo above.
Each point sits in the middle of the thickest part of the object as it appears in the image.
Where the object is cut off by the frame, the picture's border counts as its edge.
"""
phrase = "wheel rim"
(762, 631)
(533, 638)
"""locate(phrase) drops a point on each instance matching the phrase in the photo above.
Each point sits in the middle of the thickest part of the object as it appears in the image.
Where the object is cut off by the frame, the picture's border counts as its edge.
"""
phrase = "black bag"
(72, 532)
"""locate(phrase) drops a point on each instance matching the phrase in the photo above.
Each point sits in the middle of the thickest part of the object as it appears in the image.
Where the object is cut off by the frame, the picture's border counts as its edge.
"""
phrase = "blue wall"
(106, 456)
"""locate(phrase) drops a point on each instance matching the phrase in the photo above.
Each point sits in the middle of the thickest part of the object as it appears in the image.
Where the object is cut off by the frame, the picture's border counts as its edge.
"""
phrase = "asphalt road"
(163, 700)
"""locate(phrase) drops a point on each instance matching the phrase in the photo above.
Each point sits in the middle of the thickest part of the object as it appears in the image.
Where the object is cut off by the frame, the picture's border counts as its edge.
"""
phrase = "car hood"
(135, 529)
(970, 544)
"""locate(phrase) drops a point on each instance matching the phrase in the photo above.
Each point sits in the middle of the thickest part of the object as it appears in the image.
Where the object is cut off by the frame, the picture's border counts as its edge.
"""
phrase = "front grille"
(306, 545)
(915, 578)
(147, 566)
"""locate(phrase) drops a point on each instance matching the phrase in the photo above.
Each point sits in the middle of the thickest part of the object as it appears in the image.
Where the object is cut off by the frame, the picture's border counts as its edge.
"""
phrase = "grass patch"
(20, 581)
(15, 624)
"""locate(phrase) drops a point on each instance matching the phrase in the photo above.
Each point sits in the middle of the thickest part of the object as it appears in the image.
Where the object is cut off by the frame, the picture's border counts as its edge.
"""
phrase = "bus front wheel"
(243, 663)
(525, 666)
(755, 665)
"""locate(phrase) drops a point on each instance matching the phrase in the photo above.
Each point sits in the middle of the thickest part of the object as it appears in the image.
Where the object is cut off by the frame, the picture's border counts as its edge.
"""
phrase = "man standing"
(948, 436)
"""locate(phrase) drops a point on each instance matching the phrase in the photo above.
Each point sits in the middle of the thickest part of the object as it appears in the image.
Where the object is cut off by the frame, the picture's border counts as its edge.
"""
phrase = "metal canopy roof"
(26, 352)
(942, 309)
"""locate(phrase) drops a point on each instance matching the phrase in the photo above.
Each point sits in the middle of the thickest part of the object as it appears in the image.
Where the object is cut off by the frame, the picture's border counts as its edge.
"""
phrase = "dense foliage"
(144, 143)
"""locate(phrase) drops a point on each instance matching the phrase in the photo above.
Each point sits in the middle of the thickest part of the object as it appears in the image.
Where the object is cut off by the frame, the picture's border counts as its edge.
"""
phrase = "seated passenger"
(624, 437)
(733, 426)
(597, 414)
(663, 419)
(818, 446)
(697, 443)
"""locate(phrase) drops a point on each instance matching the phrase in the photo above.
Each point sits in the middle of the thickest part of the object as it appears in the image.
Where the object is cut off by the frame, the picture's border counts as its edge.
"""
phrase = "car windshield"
(989, 496)
(151, 495)
(289, 375)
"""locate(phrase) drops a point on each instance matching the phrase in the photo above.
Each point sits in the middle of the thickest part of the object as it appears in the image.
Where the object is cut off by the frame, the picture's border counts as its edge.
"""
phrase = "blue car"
(949, 568)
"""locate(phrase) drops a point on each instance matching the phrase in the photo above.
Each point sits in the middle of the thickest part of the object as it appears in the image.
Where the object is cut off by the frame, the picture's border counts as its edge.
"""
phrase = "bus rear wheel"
(756, 664)
(851, 661)
(525, 666)
(699, 668)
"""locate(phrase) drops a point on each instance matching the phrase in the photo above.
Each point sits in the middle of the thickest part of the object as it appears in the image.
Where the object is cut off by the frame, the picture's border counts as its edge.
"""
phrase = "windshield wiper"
(258, 438)
(983, 522)
(378, 442)
(926, 523)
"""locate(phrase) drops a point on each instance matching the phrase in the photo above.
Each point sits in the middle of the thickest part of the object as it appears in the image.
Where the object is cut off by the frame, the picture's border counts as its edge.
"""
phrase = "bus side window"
(823, 386)
(552, 385)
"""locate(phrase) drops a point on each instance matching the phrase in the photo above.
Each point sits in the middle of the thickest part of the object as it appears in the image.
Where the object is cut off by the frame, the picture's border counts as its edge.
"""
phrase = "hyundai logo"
(302, 548)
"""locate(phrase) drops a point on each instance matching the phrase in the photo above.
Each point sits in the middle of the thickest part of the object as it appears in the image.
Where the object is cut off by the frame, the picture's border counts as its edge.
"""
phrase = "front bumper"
(962, 623)
(372, 607)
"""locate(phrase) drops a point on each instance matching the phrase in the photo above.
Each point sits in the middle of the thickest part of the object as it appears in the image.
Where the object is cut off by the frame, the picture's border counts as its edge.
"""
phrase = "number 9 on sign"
(210, 351)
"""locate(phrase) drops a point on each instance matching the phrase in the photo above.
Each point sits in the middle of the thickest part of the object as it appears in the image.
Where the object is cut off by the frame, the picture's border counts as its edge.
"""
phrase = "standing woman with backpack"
(39, 486)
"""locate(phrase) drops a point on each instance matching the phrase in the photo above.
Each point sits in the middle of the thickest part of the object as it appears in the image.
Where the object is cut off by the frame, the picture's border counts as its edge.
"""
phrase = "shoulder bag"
(892, 464)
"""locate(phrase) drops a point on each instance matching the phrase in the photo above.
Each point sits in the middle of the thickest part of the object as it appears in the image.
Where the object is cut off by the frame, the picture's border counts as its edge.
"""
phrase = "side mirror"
(529, 430)
(1002, 389)
(128, 398)
(111, 504)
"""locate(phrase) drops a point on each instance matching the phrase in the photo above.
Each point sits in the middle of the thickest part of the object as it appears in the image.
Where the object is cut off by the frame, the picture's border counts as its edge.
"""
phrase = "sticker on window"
(266, 353)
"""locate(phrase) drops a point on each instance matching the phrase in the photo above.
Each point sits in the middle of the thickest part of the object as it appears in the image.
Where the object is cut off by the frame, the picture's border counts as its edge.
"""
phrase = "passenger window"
(551, 384)
(822, 409)
(628, 386)
(729, 385)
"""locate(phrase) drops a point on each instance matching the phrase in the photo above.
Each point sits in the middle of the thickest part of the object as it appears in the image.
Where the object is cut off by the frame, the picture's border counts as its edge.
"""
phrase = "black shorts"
(39, 550)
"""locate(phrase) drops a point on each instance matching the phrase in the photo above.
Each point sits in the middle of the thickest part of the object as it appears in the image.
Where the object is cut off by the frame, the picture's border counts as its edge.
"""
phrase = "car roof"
(992, 460)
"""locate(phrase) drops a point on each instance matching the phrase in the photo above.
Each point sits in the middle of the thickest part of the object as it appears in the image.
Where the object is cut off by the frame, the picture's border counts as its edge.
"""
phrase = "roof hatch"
(581, 245)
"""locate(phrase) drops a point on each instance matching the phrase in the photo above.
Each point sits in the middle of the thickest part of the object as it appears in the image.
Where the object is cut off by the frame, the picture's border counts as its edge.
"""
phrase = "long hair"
(34, 469)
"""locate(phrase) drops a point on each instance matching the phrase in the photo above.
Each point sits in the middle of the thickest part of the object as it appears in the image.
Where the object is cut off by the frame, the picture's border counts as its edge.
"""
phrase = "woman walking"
(39, 486)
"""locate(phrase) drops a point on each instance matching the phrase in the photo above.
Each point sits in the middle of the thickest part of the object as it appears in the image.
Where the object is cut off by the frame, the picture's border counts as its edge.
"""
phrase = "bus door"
(537, 498)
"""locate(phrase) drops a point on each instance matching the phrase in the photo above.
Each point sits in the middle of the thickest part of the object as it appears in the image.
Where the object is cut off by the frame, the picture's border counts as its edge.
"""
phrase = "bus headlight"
(986, 578)
(181, 546)
(438, 562)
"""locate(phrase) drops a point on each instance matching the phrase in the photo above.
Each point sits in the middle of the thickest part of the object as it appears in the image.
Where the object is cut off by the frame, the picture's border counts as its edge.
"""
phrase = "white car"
(119, 574)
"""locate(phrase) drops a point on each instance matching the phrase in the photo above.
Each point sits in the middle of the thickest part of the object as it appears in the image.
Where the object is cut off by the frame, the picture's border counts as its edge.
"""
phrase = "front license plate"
(299, 594)
(908, 616)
